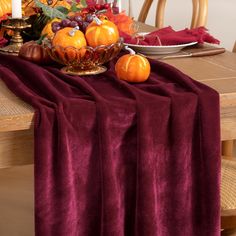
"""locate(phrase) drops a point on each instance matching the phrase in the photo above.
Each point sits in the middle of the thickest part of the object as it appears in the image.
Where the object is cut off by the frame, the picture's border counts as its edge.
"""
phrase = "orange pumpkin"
(68, 36)
(67, 41)
(132, 67)
(101, 32)
(5, 7)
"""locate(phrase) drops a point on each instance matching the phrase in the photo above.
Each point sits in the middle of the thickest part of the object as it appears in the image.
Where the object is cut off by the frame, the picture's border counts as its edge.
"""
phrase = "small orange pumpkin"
(67, 41)
(69, 37)
(101, 32)
(132, 67)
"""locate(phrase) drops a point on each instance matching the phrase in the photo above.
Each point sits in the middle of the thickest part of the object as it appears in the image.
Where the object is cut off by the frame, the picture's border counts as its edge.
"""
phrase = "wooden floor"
(17, 201)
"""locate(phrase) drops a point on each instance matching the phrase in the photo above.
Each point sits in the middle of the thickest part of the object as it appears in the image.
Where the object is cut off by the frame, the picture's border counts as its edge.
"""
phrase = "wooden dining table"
(17, 117)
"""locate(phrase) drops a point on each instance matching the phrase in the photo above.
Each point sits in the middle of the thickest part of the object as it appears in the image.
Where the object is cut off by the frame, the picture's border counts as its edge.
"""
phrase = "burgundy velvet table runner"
(120, 159)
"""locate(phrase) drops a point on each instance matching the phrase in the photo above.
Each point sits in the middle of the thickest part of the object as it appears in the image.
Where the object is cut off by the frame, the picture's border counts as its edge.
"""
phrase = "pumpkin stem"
(40, 40)
(72, 32)
(131, 51)
(97, 20)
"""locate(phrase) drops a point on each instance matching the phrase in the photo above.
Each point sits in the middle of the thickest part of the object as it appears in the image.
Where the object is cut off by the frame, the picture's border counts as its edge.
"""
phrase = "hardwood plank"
(228, 99)
(220, 60)
(202, 69)
(226, 87)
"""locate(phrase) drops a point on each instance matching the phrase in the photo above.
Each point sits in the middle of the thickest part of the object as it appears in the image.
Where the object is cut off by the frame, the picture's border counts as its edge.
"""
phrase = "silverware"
(199, 53)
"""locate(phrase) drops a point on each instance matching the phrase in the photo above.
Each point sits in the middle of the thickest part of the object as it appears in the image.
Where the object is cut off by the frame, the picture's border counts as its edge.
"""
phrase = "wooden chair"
(228, 145)
(228, 197)
(228, 188)
(199, 12)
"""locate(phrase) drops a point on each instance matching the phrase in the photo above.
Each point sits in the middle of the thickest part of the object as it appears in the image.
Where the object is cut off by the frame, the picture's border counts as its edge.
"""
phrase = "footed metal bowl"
(86, 60)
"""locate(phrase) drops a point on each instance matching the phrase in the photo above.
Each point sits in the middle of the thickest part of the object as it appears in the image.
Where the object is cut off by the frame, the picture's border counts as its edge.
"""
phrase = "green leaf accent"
(40, 40)
(74, 7)
(83, 3)
(49, 11)
(62, 9)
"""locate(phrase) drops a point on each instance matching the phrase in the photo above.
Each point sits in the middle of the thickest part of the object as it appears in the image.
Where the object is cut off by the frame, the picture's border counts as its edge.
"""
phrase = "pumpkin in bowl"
(69, 37)
(132, 67)
(101, 32)
(69, 43)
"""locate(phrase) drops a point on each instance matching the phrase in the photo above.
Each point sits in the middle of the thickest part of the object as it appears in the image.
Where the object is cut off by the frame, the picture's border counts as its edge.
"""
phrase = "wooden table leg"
(16, 148)
(227, 148)
(228, 232)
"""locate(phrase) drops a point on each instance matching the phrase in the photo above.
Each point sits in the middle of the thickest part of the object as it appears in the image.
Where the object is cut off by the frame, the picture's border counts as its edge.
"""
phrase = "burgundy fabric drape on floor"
(120, 159)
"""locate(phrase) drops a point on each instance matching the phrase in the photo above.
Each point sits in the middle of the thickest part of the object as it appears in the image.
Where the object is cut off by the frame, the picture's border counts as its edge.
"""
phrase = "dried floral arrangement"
(43, 13)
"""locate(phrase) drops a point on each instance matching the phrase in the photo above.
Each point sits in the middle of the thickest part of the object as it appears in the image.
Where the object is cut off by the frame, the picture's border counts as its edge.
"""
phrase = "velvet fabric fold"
(120, 159)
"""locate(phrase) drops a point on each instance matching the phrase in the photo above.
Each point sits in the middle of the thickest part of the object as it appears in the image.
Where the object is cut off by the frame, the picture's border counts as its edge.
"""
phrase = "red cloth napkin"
(168, 36)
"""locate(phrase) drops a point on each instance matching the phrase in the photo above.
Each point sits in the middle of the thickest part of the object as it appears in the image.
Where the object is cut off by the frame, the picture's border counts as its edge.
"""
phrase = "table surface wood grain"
(218, 72)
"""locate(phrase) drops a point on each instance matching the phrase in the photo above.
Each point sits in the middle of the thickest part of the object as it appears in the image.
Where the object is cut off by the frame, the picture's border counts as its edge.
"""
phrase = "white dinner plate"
(155, 50)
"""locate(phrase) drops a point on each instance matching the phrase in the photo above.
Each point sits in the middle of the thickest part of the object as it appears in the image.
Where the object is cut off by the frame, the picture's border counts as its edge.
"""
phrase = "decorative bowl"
(86, 60)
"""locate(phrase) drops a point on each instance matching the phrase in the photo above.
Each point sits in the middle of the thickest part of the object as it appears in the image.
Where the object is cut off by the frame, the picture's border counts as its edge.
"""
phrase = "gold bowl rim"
(48, 45)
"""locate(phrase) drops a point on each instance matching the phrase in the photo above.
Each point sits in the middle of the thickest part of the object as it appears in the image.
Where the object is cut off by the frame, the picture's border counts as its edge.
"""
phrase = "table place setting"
(167, 40)
(123, 144)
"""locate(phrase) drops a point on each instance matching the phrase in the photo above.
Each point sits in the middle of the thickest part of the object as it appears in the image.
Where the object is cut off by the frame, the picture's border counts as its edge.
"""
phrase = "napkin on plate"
(168, 36)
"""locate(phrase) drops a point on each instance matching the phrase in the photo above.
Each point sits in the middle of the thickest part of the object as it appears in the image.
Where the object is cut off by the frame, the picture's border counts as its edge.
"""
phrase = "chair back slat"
(234, 49)
(199, 12)
(202, 13)
(144, 11)
(160, 13)
(194, 14)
